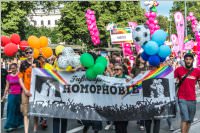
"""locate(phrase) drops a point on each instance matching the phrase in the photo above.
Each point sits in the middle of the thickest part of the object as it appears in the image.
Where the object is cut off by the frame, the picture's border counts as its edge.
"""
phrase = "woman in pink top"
(13, 89)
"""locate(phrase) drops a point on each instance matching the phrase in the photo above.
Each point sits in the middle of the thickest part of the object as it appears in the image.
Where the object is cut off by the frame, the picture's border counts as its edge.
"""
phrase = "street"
(75, 127)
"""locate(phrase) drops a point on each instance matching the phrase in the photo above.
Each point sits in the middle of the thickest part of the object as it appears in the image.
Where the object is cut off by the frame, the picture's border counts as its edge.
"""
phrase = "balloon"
(90, 74)
(153, 14)
(144, 56)
(69, 68)
(159, 37)
(10, 49)
(34, 42)
(151, 48)
(75, 61)
(147, 14)
(43, 41)
(191, 14)
(147, 22)
(141, 34)
(87, 60)
(46, 52)
(162, 59)
(36, 53)
(99, 68)
(5, 40)
(164, 51)
(151, 20)
(15, 38)
(68, 51)
(23, 45)
(63, 62)
(154, 60)
(59, 49)
(48, 66)
(155, 21)
(102, 60)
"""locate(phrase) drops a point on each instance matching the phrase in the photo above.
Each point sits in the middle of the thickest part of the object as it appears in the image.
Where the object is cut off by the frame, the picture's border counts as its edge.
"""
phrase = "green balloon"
(90, 74)
(102, 60)
(99, 68)
(87, 60)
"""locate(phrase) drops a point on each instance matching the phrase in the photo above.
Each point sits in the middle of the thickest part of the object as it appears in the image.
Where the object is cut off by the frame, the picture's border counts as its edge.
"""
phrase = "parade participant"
(3, 85)
(14, 117)
(25, 82)
(156, 127)
(139, 67)
(120, 126)
(187, 77)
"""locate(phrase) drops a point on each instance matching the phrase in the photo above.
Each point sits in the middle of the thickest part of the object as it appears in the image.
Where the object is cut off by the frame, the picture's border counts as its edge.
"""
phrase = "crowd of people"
(16, 81)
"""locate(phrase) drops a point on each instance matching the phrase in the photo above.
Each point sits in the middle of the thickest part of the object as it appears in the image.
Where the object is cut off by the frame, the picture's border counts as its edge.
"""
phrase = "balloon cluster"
(152, 5)
(196, 30)
(127, 50)
(155, 51)
(94, 67)
(12, 43)
(40, 46)
(92, 27)
(68, 59)
(193, 21)
(152, 22)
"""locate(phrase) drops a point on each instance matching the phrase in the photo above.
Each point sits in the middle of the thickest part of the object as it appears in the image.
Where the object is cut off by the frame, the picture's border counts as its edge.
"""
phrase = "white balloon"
(62, 62)
(67, 51)
(75, 61)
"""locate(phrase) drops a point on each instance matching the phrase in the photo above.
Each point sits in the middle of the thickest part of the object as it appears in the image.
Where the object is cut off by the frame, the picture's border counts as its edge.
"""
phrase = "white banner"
(71, 95)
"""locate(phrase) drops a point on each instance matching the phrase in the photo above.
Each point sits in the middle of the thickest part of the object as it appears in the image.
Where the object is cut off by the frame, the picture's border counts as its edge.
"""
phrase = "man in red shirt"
(186, 92)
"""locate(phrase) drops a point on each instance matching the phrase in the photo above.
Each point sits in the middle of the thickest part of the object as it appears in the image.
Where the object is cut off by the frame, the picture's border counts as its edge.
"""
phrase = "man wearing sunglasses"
(25, 82)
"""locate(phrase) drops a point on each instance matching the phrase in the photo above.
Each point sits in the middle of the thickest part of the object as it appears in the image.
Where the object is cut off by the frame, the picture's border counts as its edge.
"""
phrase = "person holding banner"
(25, 82)
(120, 126)
(187, 76)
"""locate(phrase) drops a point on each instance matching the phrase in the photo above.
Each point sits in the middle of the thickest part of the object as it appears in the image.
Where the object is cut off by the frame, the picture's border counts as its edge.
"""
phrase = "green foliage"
(163, 22)
(192, 6)
(73, 22)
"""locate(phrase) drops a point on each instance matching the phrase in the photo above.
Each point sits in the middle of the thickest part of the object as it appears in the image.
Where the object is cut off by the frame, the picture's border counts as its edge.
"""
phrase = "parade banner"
(72, 96)
(121, 35)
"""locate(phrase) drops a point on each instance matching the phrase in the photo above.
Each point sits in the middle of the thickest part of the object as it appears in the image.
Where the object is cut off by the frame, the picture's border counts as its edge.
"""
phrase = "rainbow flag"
(53, 74)
(161, 72)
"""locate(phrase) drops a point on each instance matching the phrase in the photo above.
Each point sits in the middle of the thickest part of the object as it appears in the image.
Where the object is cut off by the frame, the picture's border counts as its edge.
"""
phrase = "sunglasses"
(29, 52)
(117, 69)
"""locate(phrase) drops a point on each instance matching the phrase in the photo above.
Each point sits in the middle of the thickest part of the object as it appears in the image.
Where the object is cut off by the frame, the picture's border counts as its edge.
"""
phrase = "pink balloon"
(151, 20)
(147, 14)
(147, 22)
(193, 26)
(151, 26)
(89, 22)
(188, 18)
(191, 14)
(127, 45)
(92, 18)
(92, 33)
(155, 21)
(153, 14)
(192, 18)
(96, 34)
(93, 38)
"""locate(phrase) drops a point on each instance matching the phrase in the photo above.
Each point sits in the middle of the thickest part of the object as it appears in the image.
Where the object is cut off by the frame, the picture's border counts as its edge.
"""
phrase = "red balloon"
(23, 45)
(10, 49)
(4, 41)
(15, 38)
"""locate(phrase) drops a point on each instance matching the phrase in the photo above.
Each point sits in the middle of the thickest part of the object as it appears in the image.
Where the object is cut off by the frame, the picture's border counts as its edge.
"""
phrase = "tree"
(163, 22)
(73, 23)
(192, 6)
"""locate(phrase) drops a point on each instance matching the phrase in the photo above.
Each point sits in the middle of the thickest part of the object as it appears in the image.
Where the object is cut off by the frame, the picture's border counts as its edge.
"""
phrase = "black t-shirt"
(4, 73)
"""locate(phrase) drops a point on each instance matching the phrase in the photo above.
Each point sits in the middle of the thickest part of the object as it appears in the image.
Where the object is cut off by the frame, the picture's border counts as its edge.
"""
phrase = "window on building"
(42, 22)
(49, 22)
(55, 22)
(35, 23)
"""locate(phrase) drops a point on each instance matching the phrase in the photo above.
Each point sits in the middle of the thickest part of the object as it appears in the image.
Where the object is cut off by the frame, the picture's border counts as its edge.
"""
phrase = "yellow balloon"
(69, 68)
(43, 41)
(36, 53)
(46, 52)
(59, 49)
(48, 66)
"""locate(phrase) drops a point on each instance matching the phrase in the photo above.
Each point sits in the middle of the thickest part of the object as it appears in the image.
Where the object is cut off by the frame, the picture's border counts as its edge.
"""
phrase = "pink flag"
(179, 21)
(174, 39)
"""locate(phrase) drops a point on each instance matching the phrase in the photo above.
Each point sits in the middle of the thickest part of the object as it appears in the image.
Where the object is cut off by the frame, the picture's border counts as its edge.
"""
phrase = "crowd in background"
(16, 80)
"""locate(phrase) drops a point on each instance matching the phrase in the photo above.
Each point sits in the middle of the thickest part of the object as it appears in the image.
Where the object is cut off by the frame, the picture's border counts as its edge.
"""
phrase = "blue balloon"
(164, 51)
(162, 59)
(154, 60)
(151, 48)
(144, 56)
(159, 36)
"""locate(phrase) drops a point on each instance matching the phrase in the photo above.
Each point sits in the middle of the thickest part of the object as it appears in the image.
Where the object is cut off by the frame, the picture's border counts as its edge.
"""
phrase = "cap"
(189, 55)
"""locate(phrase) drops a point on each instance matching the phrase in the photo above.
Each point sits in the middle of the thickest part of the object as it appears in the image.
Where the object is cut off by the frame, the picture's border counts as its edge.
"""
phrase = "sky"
(163, 8)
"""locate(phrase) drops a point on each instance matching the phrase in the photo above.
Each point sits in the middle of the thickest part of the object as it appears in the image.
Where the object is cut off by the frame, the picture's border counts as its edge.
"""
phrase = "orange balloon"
(43, 41)
(36, 53)
(46, 52)
(34, 42)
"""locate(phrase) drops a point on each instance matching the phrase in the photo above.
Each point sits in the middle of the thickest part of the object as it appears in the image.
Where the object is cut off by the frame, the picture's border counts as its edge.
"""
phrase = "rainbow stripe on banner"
(53, 74)
(161, 72)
